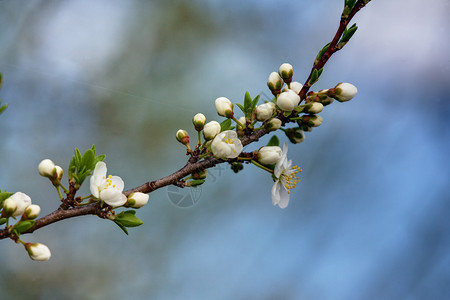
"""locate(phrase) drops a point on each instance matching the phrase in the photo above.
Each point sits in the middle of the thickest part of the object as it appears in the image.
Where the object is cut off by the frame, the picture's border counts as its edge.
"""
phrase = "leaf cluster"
(81, 166)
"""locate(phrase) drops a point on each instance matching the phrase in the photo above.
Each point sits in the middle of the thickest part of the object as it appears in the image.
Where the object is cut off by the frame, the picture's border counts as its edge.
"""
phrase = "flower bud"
(273, 124)
(295, 135)
(344, 91)
(199, 121)
(286, 71)
(265, 111)
(312, 120)
(275, 82)
(22, 201)
(324, 98)
(46, 168)
(9, 207)
(287, 101)
(269, 155)
(313, 107)
(183, 137)
(38, 251)
(224, 107)
(58, 172)
(32, 211)
(243, 121)
(295, 86)
(137, 200)
(210, 130)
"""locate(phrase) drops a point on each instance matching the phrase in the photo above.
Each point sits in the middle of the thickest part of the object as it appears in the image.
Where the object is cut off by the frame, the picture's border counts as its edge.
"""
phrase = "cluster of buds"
(47, 168)
(19, 205)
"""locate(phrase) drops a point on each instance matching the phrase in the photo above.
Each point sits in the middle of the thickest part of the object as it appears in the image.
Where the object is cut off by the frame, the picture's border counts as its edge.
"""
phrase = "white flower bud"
(224, 107)
(199, 121)
(273, 124)
(287, 101)
(313, 107)
(182, 136)
(210, 130)
(243, 121)
(265, 111)
(46, 168)
(345, 91)
(38, 251)
(9, 207)
(32, 211)
(226, 145)
(295, 86)
(275, 82)
(324, 98)
(286, 71)
(137, 200)
(269, 155)
(22, 201)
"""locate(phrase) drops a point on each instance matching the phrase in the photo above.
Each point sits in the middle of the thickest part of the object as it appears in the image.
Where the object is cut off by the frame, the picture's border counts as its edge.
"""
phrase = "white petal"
(284, 198)
(113, 197)
(276, 192)
(117, 182)
(93, 187)
(99, 173)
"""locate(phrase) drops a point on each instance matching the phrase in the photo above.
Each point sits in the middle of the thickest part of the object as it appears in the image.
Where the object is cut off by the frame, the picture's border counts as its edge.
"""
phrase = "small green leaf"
(247, 102)
(196, 182)
(128, 219)
(274, 141)
(255, 102)
(23, 226)
(225, 125)
(3, 196)
(87, 160)
(241, 107)
(122, 227)
(3, 221)
(321, 53)
(315, 76)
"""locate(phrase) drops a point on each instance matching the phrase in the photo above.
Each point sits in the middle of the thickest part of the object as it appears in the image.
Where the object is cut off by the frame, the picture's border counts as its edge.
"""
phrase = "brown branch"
(192, 166)
(332, 48)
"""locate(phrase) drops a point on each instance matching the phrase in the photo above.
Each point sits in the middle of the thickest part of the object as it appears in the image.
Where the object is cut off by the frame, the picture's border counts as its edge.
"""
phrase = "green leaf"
(241, 107)
(225, 125)
(247, 102)
(348, 33)
(128, 219)
(3, 196)
(122, 227)
(3, 221)
(321, 53)
(23, 226)
(315, 76)
(274, 141)
(87, 161)
(255, 102)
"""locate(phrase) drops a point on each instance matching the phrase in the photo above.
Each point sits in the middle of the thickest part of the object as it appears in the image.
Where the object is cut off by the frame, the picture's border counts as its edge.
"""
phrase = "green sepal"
(3, 221)
(3, 196)
(274, 141)
(23, 226)
(225, 125)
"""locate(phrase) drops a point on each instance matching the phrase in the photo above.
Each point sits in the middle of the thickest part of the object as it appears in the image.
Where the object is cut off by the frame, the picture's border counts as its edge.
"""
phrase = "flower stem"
(238, 123)
(261, 166)
(59, 193)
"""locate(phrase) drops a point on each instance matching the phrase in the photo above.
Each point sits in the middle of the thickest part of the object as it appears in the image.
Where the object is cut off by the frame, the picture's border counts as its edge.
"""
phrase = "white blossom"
(286, 71)
(46, 168)
(108, 189)
(274, 82)
(137, 200)
(345, 91)
(22, 202)
(269, 155)
(294, 86)
(38, 251)
(224, 107)
(32, 211)
(226, 145)
(274, 124)
(288, 100)
(210, 130)
(265, 111)
(286, 179)
(199, 121)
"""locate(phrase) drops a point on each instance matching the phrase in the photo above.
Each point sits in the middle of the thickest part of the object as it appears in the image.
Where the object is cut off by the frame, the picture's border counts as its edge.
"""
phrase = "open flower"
(285, 180)
(226, 145)
(108, 189)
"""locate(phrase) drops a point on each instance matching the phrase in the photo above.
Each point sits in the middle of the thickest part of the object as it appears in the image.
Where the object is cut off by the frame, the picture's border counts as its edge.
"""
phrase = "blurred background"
(370, 219)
